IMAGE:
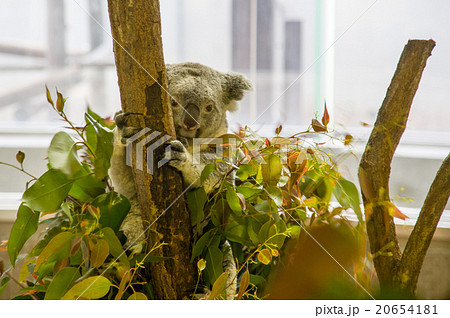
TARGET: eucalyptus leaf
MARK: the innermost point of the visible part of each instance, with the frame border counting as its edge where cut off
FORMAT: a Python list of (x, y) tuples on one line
[(62, 154), (100, 140), (115, 248), (58, 248), (90, 288), (24, 227), (113, 207), (196, 200), (48, 192), (62, 282)]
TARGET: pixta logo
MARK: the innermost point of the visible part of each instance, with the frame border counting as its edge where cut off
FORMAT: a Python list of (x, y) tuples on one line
[(151, 142)]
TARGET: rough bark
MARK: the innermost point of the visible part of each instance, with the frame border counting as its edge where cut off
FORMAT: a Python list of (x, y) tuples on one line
[(375, 165), (136, 29), (420, 238)]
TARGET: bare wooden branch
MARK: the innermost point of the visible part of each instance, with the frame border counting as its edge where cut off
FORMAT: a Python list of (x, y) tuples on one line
[(375, 165), (420, 238), (136, 28)]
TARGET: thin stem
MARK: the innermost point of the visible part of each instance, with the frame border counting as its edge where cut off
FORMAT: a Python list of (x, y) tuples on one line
[(20, 169)]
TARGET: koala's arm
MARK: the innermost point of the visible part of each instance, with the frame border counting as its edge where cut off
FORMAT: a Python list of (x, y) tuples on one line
[(181, 159), (122, 180)]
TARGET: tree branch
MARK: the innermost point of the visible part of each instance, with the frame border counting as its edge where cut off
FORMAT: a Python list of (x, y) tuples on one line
[(420, 238), (375, 165), (136, 29)]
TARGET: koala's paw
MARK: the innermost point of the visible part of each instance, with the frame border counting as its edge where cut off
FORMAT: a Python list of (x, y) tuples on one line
[(125, 131), (177, 154)]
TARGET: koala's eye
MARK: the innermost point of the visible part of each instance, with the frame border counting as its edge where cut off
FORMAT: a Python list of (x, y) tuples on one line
[(209, 108), (173, 102)]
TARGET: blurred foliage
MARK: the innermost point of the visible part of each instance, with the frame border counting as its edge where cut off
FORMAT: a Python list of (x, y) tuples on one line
[(274, 191)]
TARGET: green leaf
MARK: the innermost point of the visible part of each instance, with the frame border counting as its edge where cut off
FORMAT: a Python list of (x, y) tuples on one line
[(219, 286), (196, 200), (271, 170), (86, 186), (61, 283), (100, 140), (99, 119), (99, 252), (257, 280), (57, 249), (48, 192), (62, 154), (248, 190), (214, 260), (23, 228), (90, 288), (4, 283), (209, 168), (348, 196), (200, 245), (220, 212), (115, 248), (138, 296), (247, 170), (113, 209), (276, 195), (233, 200)]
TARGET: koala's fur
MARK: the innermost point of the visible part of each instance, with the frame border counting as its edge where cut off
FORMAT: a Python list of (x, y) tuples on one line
[(201, 96)]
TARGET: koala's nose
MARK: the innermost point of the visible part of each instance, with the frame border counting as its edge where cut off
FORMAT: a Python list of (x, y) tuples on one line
[(190, 124), (190, 121)]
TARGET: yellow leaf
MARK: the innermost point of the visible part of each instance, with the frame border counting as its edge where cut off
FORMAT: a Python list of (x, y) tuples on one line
[(264, 256), (138, 296), (245, 280), (90, 288), (219, 286)]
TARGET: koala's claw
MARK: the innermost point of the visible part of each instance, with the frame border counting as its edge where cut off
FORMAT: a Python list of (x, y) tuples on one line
[(176, 153)]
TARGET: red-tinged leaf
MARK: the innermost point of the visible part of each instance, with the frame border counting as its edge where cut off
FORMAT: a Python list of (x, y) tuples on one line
[(275, 253), (123, 284), (326, 116), (99, 252), (317, 126), (278, 129), (75, 245), (20, 157), (49, 97), (265, 256), (310, 151), (267, 143), (57, 249), (245, 281), (219, 286), (30, 292), (242, 200), (395, 212), (348, 139)]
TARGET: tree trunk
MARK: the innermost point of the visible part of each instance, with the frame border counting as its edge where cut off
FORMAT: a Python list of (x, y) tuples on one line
[(375, 166), (136, 30)]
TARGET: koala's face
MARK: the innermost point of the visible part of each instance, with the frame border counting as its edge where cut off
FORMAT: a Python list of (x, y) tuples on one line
[(201, 98)]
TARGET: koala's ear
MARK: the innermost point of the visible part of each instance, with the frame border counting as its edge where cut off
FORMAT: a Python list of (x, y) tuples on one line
[(234, 86)]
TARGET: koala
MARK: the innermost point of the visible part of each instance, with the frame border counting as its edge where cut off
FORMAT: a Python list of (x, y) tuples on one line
[(200, 100)]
